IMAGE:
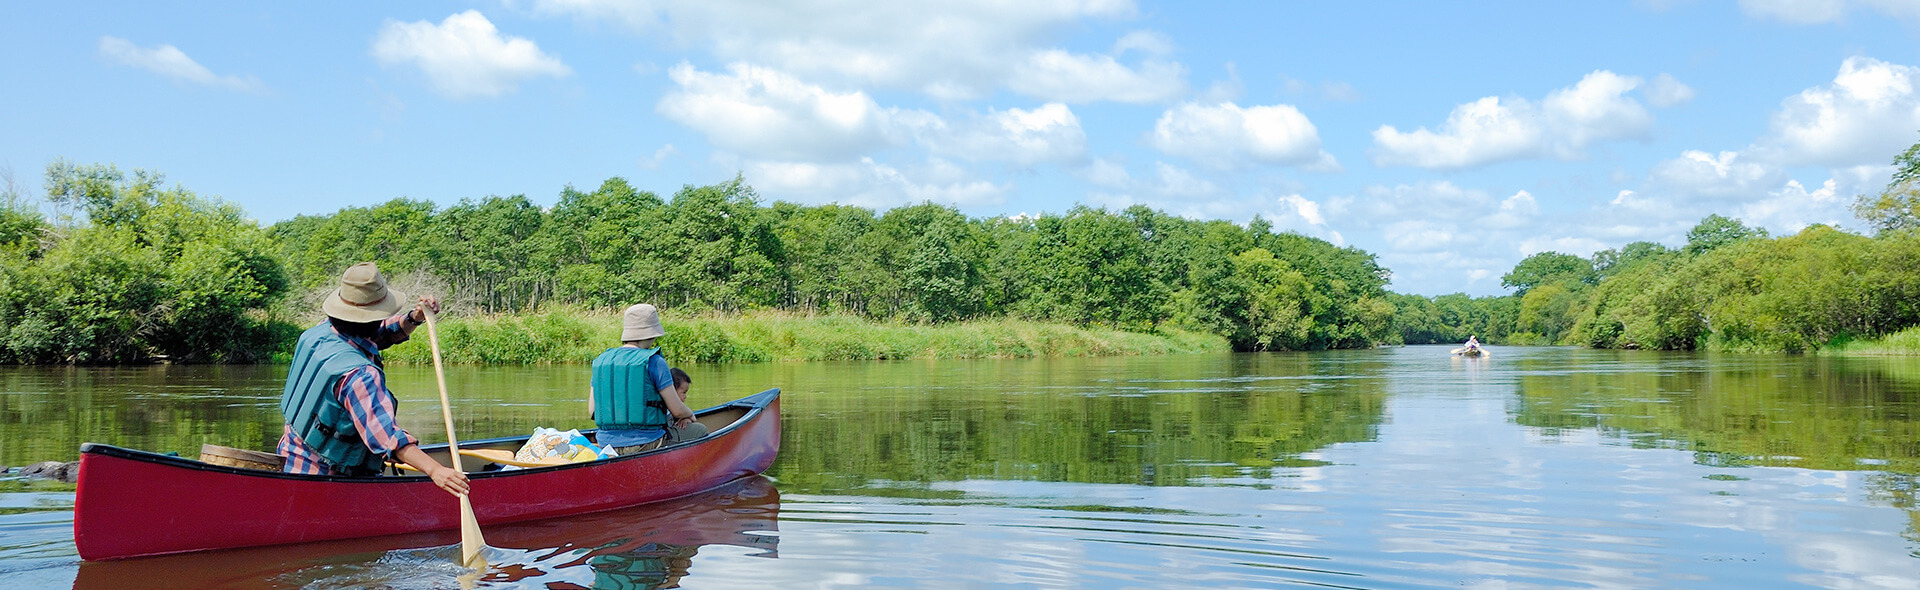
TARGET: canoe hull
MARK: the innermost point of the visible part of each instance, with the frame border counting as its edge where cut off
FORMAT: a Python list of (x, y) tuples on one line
[(132, 503)]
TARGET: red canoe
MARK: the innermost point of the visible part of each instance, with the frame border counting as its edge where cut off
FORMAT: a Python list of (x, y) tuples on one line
[(135, 503)]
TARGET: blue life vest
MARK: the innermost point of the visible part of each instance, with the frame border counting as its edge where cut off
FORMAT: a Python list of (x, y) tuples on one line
[(624, 396), (309, 405)]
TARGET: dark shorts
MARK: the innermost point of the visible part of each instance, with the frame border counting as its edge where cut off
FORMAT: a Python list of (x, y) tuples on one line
[(674, 436)]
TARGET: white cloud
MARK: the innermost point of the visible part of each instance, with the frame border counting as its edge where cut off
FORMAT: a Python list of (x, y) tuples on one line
[(1800, 12), (1173, 181), (1226, 135), (1475, 133), (1148, 42), (1306, 209), (1813, 12), (873, 185), (1563, 126), (1666, 91), (768, 114), (1106, 173), (1050, 133), (1225, 90), (1515, 212), (950, 50), (1332, 90), (1870, 111), (659, 157), (1792, 208), (171, 62), (1595, 109), (1069, 77), (464, 56), (771, 115), (1577, 246), (1697, 173)]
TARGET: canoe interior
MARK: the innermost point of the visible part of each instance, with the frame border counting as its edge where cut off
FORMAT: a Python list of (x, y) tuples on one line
[(715, 420)]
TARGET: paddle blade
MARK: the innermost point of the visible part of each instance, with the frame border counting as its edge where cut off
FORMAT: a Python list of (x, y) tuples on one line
[(471, 544)]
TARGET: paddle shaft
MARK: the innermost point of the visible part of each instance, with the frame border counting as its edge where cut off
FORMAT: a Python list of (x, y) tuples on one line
[(470, 540)]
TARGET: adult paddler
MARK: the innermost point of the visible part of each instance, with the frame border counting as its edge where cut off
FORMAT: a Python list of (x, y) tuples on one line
[(339, 413)]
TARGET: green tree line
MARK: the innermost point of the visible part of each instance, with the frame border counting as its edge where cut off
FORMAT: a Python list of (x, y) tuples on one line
[(721, 248), (1730, 287), (127, 269)]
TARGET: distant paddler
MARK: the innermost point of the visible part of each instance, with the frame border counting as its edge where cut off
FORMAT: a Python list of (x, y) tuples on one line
[(339, 414), (1472, 348)]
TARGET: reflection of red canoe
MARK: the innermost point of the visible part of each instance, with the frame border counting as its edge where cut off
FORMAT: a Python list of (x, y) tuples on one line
[(744, 513), (134, 503)]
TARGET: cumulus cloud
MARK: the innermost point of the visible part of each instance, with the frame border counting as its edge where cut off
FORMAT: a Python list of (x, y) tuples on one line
[(1516, 211), (1434, 208), (910, 44), (764, 113), (1812, 12), (171, 62), (1225, 135), (1703, 174), (1792, 207), (464, 56), (871, 184), (1852, 126), (1665, 91), (1563, 125), (1869, 111), (1069, 77), (1798, 12), (1050, 133)]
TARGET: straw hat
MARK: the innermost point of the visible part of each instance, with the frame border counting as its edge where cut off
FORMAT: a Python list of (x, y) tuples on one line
[(363, 296), (640, 322)]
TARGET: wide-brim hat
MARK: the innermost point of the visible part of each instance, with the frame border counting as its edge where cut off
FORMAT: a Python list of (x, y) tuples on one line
[(363, 296), (640, 322)]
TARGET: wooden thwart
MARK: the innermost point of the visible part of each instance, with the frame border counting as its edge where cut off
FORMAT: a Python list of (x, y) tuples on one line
[(242, 458)]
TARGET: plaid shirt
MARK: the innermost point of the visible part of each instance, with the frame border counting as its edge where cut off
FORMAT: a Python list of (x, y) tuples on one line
[(363, 391)]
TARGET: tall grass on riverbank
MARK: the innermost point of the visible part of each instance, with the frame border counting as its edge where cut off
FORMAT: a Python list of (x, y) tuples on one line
[(1902, 343), (577, 336)]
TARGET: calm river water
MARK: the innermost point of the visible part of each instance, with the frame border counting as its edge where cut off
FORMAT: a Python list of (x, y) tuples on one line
[(1390, 468)]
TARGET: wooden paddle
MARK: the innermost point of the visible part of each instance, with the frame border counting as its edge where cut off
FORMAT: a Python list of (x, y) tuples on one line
[(470, 541)]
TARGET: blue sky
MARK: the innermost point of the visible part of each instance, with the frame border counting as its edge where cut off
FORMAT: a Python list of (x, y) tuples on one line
[(1450, 139)]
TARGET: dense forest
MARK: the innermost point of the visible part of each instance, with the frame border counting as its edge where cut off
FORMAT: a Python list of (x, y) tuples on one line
[(127, 269)]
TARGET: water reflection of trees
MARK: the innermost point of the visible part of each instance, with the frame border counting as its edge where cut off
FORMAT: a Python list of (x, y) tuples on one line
[(1807, 412), (46, 412), (1157, 426)]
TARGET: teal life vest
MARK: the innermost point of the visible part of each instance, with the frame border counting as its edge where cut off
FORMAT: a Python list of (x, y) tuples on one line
[(314, 412), (624, 396)]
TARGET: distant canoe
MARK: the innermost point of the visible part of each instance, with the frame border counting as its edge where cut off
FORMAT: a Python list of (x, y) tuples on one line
[(135, 503), (1470, 352)]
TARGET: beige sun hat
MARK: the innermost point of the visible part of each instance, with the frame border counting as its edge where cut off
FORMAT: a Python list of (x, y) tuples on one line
[(363, 296), (640, 322)]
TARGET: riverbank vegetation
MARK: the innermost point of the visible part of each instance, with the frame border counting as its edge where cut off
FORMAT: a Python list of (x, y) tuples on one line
[(128, 270), (574, 335), (1730, 287)]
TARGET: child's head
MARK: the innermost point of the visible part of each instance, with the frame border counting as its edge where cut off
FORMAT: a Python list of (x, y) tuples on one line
[(681, 382)]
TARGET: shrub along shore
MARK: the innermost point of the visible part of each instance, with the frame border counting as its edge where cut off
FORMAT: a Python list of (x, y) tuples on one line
[(574, 335), (1903, 343)]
